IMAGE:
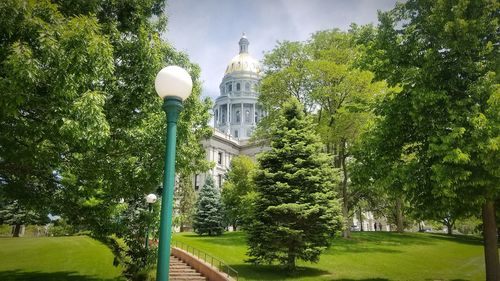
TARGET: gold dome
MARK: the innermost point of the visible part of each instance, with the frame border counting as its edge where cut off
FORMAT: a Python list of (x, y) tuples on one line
[(243, 62)]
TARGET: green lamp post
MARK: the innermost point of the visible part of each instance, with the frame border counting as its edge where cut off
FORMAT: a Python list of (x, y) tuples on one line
[(173, 84)]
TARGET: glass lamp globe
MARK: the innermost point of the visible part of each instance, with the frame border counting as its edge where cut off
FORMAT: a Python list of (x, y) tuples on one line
[(173, 81), (151, 198)]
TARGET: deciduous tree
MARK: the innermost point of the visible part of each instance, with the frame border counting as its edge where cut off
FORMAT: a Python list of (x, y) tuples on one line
[(444, 125), (235, 189)]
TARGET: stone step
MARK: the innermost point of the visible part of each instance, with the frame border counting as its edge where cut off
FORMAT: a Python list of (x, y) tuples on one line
[(188, 273), (188, 278), (180, 271), (181, 268), (185, 272)]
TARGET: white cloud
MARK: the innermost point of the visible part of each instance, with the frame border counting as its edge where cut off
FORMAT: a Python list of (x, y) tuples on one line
[(209, 30)]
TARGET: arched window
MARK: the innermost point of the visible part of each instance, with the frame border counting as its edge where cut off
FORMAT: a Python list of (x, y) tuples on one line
[(238, 86), (229, 87), (238, 116), (247, 86), (256, 117), (248, 119)]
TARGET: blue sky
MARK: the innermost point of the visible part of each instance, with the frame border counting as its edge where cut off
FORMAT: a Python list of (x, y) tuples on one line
[(209, 30)]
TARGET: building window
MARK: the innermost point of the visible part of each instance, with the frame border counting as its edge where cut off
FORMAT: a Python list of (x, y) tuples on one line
[(238, 87), (219, 181), (229, 87), (247, 86), (219, 158), (216, 115), (248, 119), (196, 186), (238, 116), (235, 133), (256, 117)]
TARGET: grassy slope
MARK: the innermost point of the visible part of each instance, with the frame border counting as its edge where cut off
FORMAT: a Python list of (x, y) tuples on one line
[(77, 258), (368, 256)]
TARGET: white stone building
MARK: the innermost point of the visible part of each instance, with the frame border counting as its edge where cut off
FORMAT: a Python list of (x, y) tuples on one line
[(236, 114)]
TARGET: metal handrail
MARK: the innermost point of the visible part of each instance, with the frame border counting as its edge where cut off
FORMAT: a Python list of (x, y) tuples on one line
[(203, 255)]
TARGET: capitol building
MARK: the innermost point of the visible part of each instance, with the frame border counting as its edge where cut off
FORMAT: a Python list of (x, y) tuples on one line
[(236, 114)]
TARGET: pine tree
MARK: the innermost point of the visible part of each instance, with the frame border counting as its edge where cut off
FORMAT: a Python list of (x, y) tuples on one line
[(209, 216), (296, 211)]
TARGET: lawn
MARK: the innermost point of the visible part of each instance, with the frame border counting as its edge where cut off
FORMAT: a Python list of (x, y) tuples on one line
[(368, 256), (77, 258)]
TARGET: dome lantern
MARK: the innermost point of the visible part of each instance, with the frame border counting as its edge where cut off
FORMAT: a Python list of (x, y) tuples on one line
[(244, 44)]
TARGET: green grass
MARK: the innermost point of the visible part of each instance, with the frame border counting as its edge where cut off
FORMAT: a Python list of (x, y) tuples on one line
[(76, 258), (368, 256)]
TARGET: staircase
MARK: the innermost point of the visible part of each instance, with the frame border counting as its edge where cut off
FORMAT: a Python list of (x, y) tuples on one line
[(180, 271)]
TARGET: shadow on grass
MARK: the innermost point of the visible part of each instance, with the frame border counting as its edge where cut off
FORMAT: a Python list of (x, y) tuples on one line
[(377, 242), (393, 238), (463, 239), (275, 272), (366, 279), (18, 275)]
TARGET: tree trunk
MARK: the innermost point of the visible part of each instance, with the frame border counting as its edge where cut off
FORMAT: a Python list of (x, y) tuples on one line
[(17, 230), (291, 260), (361, 220), (449, 229), (234, 226), (490, 242), (345, 196), (399, 215)]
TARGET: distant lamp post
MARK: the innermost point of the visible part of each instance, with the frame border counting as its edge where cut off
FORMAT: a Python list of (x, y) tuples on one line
[(173, 84), (150, 199)]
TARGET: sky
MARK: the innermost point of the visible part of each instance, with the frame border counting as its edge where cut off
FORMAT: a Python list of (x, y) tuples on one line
[(209, 30)]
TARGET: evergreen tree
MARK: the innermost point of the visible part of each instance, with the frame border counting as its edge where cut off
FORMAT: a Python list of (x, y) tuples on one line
[(296, 212), (209, 217)]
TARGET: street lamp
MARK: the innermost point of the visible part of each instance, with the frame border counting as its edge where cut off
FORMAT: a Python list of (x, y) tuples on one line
[(150, 199), (173, 84)]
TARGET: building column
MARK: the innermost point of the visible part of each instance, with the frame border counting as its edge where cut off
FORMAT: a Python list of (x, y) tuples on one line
[(229, 118), (219, 113), (253, 114)]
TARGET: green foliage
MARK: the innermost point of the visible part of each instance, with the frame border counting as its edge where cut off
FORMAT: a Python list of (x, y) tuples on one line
[(235, 192), (322, 74), (296, 211), (185, 202), (82, 126), (208, 218), (439, 135), (14, 214)]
